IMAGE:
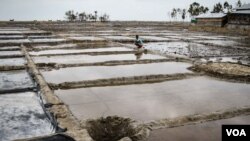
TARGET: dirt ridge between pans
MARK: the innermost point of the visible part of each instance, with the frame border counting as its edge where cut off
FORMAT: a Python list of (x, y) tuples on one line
[(61, 111), (87, 53), (123, 81), (9, 68), (106, 63), (198, 118)]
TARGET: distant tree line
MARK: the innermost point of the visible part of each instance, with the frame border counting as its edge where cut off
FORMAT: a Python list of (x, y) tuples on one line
[(83, 16), (196, 9)]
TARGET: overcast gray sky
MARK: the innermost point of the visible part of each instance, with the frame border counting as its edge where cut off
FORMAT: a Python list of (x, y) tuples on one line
[(152, 10)]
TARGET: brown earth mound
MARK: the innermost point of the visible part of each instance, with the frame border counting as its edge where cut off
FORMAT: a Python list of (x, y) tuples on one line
[(225, 70)]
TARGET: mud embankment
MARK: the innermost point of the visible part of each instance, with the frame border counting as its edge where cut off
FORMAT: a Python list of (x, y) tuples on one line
[(123, 81), (199, 118), (61, 112), (229, 71), (49, 66)]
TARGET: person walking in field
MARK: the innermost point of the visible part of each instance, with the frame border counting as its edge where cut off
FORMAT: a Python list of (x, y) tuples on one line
[(138, 42)]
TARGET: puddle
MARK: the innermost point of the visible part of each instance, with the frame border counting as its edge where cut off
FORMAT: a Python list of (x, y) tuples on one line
[(156, 101), (197, 132), (107, 72), (10, 53), (76, 59), (194, 49), (11, 80), (12, 62), (47, 40), (61, 51), (87, 38), (21, 116)]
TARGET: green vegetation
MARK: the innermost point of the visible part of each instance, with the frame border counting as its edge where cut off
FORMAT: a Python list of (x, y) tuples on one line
[(83, 16)]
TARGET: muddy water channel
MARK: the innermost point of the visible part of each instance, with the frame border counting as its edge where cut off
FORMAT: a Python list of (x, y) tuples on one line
[(148, 102)]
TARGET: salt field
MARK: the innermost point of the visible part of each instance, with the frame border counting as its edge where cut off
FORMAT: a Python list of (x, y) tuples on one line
[(55, 77)]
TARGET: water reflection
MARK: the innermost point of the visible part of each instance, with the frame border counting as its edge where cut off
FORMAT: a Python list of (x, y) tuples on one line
[(139, 53)]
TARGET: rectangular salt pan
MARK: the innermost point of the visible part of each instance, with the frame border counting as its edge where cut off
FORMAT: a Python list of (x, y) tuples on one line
[(68, 51), (10, 48), (87, 38), (154, 38), (15, 41), (9, 53), (76, 59), (12, 62), (21, 116), (11, 80), (47, 40), (119, 38), (146, 102), (107, 72)]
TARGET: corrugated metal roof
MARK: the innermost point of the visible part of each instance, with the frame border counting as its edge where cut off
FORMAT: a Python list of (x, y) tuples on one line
[(245, 6), (242, 12), (211, 15)]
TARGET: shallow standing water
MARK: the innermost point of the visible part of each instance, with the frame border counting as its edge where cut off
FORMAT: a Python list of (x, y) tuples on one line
[(146, 102), (74, 59), (106, 72), (62, 51)]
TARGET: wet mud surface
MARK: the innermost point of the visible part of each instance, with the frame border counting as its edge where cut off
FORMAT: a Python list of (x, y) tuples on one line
[(225, 70), (195, 50)]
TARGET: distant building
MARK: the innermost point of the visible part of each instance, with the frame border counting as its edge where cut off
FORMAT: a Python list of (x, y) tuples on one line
[(240, 17), (212, 19)]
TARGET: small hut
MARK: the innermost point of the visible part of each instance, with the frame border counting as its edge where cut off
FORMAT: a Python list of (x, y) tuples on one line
[(240, 17), (212, 19)]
